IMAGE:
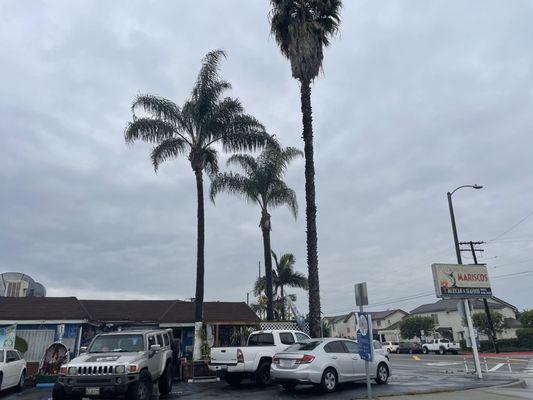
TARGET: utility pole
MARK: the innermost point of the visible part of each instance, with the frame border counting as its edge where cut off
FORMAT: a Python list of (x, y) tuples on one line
[(493, 337), (465, 301)]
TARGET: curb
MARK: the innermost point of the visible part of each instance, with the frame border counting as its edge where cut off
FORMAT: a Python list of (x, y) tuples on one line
[(519, 383)]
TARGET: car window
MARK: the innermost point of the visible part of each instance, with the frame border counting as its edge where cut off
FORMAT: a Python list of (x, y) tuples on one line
[(286, 338), (160, 340), (395, 343), (304, 346), (261, 339), (301, 336), (335, 347), (352, 347), (11, 356), (377, 345), (445, 341), (165, 339), (1, 356), (151, 340)]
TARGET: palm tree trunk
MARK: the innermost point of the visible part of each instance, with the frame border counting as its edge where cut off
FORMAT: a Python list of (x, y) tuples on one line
[(268, 274), (310, 210), (199, 299), (282, 304)]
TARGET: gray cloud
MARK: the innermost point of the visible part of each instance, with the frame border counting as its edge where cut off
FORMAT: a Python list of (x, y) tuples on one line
[(415, 100)]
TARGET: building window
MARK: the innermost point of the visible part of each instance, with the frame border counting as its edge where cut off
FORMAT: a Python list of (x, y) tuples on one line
[(435, 318), (378, 322), (15, 289), (348, 330)]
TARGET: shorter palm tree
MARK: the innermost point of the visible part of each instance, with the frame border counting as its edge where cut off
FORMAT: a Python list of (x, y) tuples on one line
[(283, 276), (262, 184)]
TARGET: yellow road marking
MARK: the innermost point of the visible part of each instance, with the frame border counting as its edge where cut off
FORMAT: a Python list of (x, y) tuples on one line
[(416, 358)]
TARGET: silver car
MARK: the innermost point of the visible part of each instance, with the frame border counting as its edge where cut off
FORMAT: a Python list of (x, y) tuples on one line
[(325, 362)]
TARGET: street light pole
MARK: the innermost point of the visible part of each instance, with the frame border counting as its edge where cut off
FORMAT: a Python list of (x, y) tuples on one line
[(466, 303)]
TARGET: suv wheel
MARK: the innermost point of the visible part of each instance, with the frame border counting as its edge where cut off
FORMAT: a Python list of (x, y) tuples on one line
[(262, 375), (424, 350), (142, 388), (442, 351), (165, 380)]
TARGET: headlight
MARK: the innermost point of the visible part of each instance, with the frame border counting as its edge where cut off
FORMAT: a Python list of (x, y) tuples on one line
[(133, 368), (120, 369), (72, 370)]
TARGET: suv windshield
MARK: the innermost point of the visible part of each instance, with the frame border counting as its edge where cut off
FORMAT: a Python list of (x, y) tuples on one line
[(117, 343)]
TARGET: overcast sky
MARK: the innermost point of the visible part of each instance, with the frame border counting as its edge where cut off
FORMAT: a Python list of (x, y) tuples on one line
[(416, 98)]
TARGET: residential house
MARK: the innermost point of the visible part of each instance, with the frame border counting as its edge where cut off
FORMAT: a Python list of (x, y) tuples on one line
[(342, 326), (385, 324), (449, 321)]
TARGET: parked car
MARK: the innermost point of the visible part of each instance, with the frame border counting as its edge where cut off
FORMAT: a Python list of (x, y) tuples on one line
[(441, 346), (325, 362), (409, 347), (391, 347), (234, 364), (127, 362), (378, 349), (12, 369)]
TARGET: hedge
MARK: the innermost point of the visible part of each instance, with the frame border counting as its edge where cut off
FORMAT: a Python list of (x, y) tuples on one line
[(525, 337), (524, 342)]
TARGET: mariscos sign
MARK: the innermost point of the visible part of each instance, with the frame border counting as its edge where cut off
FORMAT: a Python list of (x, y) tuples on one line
[(461, 281)]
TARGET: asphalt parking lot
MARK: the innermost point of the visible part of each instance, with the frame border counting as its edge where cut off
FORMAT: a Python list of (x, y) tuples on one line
[(419, 374)]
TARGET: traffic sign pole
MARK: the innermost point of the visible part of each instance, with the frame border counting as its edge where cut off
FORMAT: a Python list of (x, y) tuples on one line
[(367, 371)]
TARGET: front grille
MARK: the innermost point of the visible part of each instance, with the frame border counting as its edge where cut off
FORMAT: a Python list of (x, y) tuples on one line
[(101, 381), (97, 370)]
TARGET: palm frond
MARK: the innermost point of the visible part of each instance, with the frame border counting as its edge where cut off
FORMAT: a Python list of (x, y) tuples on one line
[(211, 162), (168, 149), (245, 161), (281, 195), (158, 107), (235, 184), (150, 130), (260, 285)]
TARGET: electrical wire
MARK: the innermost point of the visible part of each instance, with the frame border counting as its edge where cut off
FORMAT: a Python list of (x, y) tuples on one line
[(511, 228)]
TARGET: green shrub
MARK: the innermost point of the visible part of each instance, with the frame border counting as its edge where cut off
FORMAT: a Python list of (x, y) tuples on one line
[(525, 337)]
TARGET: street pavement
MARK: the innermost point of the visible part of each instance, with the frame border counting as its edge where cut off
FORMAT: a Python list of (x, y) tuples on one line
[(417, 374)]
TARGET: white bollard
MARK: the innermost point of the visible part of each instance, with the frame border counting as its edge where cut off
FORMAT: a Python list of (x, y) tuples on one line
[(486, 365), (509, 365), (466, 365)]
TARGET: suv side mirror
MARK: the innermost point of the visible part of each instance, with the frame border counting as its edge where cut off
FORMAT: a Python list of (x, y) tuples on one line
[(83, 349), (155, 348)]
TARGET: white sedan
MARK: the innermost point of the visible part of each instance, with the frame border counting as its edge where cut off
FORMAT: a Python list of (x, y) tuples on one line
[(12, 369), (325, 362)]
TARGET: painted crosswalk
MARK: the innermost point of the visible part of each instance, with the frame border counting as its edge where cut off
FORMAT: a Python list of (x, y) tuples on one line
[(496, 367), (529, 367)]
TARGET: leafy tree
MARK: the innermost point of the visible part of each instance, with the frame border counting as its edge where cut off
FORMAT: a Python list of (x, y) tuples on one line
[(262, 183), (526, 318), (302, 28), (283, 276), (411, 327), (260, 307), (205, 119), (481, 323)]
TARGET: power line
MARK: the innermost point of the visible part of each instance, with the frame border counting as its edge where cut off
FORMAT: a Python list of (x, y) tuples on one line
[(511, 228)]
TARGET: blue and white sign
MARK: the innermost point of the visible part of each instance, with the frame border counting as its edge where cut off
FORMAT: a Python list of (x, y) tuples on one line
[(364, 336), (7, 336)]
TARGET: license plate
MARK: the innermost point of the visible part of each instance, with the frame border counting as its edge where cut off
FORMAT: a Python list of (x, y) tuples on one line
[(286, 363), (92, 391)]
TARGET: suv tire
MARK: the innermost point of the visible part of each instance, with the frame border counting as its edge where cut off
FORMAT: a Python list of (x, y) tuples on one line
[(425, 350), (165, 380), (262, 375), (442, 351), (234, 379), (22, 381), (142, 388)]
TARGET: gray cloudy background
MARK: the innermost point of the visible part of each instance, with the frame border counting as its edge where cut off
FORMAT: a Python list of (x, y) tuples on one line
[(416, 98)]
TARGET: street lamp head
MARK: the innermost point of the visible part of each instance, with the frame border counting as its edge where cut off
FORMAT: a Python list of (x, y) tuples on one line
[(477, 187)]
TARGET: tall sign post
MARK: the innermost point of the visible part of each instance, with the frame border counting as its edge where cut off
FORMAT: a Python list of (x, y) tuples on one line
[(458, 281), (364, 332)]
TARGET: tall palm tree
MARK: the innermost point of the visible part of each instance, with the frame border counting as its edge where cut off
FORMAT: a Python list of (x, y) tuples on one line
[(302, 28), (283, 276), (262, 184), (205, 119)]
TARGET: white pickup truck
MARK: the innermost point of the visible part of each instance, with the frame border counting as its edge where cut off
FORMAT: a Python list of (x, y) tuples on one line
[(440, 346), (253, 360)]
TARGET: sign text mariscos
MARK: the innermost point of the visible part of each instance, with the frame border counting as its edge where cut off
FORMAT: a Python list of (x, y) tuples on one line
[(461, 281)]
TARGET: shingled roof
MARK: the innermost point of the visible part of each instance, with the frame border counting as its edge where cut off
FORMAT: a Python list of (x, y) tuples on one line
[(121, 311), (451, 305)]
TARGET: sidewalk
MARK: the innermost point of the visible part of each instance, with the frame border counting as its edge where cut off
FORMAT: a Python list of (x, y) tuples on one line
[(494, 393)]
